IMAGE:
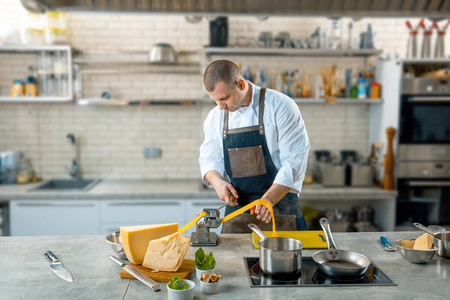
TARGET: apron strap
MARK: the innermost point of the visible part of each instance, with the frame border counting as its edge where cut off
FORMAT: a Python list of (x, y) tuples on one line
[(261, 110), (225, 125)]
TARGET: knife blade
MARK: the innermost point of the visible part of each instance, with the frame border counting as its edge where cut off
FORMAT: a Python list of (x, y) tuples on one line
[(57, 267), (137, 274), (386, 244)]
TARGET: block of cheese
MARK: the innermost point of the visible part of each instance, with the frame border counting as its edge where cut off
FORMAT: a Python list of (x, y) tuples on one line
[(135, 239), (167, 253), (424, 242)]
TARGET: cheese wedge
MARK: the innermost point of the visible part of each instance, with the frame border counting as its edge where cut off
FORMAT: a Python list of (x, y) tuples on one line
[(424, 242), (135, 239), (167, 253)]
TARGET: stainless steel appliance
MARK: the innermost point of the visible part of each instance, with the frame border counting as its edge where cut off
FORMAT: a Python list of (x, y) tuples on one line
[(424, 152), (311, 276)]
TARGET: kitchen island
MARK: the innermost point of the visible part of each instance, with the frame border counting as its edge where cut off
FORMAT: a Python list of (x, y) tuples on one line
[(24, 272)]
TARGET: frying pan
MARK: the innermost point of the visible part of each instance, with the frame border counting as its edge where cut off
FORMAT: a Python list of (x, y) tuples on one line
[(441, 239), (339, 263)]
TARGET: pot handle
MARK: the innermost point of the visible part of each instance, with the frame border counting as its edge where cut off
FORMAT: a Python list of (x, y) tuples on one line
[(326, 228), (257, 230), (428, 230)]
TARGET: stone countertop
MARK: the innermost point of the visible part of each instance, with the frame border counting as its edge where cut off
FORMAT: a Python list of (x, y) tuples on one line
[(175, 189), (24, 272)]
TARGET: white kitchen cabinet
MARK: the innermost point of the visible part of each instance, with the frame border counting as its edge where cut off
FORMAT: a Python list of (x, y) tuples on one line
[(193, 207), (116, 213), (54, 217)]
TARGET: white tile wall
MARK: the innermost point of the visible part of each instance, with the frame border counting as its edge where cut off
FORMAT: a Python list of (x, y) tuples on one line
[(111, 139)]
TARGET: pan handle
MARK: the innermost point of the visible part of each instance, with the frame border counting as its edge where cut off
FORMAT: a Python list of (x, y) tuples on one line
[(420, 226), (326, 228), (257, 230)]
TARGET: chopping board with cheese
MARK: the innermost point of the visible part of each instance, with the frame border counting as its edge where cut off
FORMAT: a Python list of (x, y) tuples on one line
[(311, 239), (185, 271)]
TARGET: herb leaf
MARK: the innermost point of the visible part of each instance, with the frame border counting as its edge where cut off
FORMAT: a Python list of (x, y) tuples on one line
[(176, 283), (204, 262)]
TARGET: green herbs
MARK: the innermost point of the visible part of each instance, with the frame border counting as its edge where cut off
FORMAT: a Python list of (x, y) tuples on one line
[(204, 262), (176, 283)]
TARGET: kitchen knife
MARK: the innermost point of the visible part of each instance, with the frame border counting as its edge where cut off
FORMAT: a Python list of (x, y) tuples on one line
[(387, 245), (137, 274), (57, 267)]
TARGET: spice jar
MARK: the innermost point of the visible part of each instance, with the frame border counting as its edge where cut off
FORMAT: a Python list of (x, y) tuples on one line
[(31, 89), (18, 88), (26, 173), (375, 90)]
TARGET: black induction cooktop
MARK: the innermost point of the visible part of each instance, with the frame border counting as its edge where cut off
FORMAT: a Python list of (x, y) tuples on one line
[(310, 276)]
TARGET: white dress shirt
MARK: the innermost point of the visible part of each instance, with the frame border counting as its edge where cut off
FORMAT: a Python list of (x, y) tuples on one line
[(285, 134)]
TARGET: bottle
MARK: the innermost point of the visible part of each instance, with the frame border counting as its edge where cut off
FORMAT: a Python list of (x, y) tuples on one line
[(247, 74), (279, 84), (334, 84), (320, 91), (257, 80), (362, 88), (305, 85), (263, 76), (354, 89)]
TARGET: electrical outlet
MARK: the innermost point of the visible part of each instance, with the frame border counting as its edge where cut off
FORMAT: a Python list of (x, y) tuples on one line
[(151, 152)]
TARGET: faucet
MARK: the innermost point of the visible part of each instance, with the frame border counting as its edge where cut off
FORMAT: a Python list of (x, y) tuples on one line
[(74, 171)]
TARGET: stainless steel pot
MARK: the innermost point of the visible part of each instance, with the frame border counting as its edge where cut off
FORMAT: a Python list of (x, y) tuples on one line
[(441, 239), (339, 263), (278, 255)]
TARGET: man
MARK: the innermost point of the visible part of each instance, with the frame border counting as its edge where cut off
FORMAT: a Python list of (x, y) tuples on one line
[(259, 138)]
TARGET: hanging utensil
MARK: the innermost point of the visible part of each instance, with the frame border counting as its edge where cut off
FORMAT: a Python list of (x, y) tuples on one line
[(387, 245)]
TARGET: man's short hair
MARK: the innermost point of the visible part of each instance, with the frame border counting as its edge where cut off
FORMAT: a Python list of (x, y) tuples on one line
[(221, 71)]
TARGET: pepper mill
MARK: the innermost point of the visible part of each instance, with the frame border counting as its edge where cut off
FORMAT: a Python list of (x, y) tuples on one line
[(389, 161)]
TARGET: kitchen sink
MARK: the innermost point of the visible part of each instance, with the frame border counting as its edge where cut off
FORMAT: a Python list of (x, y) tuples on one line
[(67, 185)]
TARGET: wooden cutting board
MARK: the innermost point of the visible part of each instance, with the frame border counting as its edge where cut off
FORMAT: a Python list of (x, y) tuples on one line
[(310, 239), (186, 270)]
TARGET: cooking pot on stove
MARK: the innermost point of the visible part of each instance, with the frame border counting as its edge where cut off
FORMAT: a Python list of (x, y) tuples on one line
[(278, 255)]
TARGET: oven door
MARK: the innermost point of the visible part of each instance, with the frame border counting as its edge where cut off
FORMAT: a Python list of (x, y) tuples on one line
[(424, 119), (426, 201)]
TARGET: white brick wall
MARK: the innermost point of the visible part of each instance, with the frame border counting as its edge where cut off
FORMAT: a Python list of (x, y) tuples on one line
[(111, 139)]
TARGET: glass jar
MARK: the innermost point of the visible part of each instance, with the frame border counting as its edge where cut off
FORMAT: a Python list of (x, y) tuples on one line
[(18, 88), (55, 36), (26, 173)]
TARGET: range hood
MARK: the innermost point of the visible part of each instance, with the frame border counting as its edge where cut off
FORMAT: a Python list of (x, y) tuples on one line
[(433, 9)]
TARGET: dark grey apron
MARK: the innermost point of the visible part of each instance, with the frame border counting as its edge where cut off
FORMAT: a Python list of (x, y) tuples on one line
[(252, 172)]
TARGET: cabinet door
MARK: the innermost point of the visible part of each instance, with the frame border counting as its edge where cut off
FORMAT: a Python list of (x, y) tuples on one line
[(195, 206), (143, 212), (54, 217)]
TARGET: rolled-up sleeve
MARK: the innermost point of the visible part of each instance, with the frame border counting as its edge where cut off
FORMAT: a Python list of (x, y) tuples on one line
[(293, 145), (211, 157)]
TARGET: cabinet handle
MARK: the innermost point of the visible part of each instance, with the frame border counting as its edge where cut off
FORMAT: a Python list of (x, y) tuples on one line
[(55, 205), (430, 99), (145, 204), (429, 183)]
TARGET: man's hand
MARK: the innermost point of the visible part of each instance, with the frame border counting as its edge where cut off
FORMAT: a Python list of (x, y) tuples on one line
[(224, 189), (262, 213)]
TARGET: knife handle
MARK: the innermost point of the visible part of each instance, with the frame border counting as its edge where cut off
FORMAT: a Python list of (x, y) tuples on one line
[(116, 260), (50, 256), (385, 241)]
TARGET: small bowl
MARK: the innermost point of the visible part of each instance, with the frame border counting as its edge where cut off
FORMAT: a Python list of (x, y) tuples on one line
[(210, 288), (115, 244), (163, 53), (182, 294), (199, 272), (413, 255)]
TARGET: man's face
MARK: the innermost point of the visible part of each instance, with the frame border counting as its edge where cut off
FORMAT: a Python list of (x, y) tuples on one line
[(229, 99)]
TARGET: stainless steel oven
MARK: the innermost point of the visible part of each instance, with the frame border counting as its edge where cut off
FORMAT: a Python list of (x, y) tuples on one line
[(423, 177)]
